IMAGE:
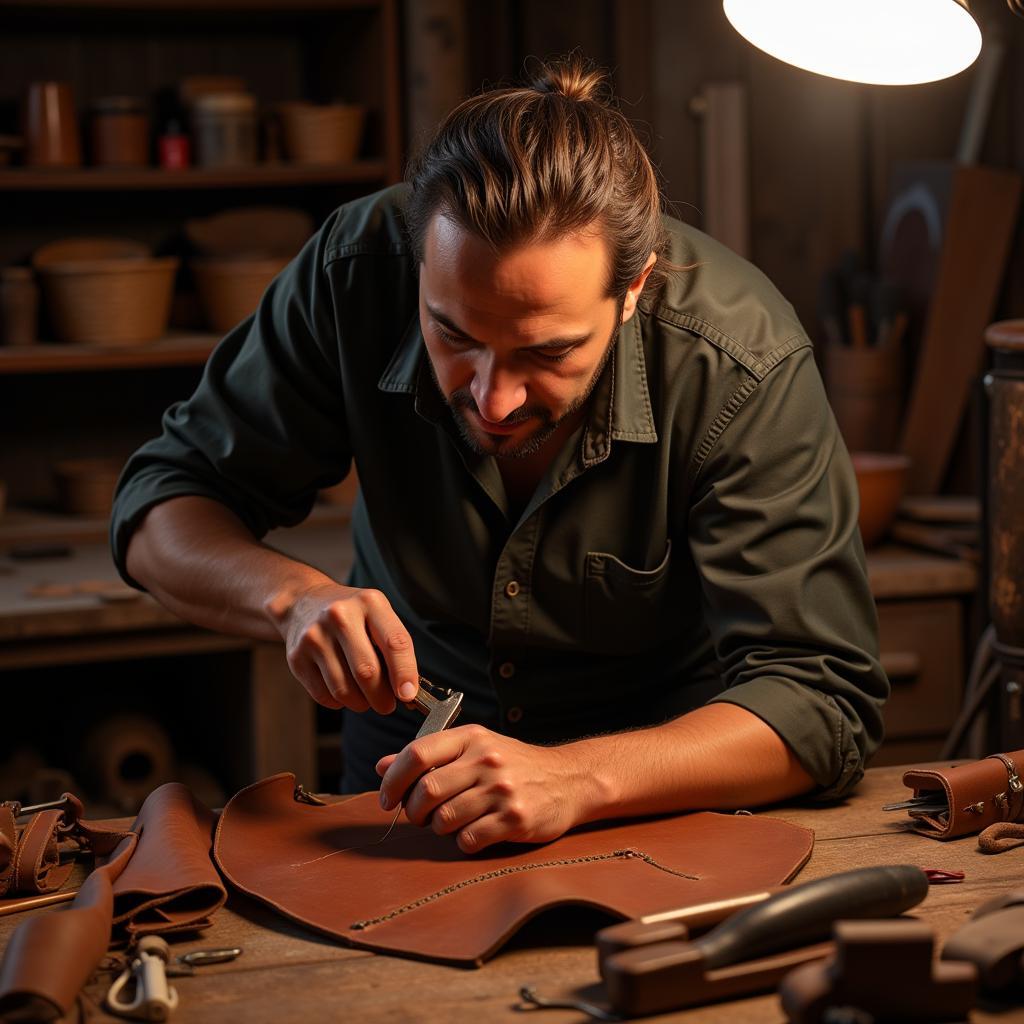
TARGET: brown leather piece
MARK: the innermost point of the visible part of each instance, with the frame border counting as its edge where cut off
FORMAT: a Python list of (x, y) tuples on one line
[(8, 844), (979, 794), (37, 861), (50, 957), (159, 878), (416, 894)]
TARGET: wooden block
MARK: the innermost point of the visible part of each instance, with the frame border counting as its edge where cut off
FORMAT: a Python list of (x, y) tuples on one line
[(973, 210)]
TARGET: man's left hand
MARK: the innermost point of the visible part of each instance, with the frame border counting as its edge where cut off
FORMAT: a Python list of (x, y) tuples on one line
[(485, 787)]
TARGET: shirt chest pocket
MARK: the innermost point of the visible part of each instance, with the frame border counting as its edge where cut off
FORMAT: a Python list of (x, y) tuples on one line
[(625, 609)]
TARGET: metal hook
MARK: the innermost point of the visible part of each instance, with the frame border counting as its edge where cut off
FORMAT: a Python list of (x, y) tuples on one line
[(541, 1003)]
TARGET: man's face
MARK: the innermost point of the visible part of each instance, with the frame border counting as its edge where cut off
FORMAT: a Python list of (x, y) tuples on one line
[(518, 340)]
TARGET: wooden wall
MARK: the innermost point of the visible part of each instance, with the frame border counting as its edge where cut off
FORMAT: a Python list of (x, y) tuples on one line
[(821, 151)]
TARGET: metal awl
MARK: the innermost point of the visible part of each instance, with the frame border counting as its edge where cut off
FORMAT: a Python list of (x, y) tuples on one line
[(440, 705)]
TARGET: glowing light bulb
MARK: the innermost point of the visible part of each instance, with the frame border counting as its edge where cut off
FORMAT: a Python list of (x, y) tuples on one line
[(881, 42)]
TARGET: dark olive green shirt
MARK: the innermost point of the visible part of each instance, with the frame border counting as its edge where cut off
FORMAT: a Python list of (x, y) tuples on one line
[(695, 540)]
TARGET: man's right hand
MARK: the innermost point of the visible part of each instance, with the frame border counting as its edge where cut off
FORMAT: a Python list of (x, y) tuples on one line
[(347, 647)]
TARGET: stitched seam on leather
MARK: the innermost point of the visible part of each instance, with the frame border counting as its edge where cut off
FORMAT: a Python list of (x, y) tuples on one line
[(515, 870), (18, 881)]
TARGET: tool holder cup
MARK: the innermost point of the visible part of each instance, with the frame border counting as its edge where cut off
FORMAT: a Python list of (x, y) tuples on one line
[(865, 389)]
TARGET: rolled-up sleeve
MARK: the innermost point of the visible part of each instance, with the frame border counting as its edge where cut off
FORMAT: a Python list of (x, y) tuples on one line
[(265, 428), (773, 529)]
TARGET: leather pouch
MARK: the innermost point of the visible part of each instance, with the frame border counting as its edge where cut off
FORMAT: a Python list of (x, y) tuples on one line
[(416, 894), (979, 794)]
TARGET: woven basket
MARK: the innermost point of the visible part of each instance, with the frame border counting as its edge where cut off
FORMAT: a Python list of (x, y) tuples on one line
[(229, 290), (322, 135), (111, 302)]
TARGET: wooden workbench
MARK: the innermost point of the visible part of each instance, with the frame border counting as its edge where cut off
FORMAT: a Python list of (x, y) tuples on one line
[(287, 974)]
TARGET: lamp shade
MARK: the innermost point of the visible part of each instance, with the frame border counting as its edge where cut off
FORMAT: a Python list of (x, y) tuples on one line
[(881, 42)]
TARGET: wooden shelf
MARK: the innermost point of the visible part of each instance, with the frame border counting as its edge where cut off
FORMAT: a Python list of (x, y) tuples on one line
[(29, 527), (192, 6), (90, 179), (178, 349)]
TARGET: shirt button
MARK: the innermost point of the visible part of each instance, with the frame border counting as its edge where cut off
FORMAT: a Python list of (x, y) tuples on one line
[(507, 670), (511, 588), (514, 715)]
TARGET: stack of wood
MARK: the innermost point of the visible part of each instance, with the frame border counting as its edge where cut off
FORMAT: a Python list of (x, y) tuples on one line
[(943, 524)]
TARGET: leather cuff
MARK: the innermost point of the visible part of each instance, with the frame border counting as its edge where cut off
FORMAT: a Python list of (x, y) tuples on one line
[(979, 794)]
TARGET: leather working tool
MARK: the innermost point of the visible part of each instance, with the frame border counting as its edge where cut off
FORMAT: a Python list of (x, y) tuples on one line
[(153, 999), (418, 895), (676, 925), (993, 941), (882, 972), (753, 949), (440, 705)]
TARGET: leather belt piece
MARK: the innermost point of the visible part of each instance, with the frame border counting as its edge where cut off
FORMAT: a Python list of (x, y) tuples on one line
[(416, 894)]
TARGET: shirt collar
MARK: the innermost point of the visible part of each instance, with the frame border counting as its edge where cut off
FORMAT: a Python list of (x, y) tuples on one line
[(620, 407)]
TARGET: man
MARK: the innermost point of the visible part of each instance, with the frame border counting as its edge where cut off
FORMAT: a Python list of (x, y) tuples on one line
[(602, 492)]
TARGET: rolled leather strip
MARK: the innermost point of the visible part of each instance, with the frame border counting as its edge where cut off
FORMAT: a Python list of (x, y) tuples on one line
[(159, 877), (978, 794), (416, 894), (8, 844)]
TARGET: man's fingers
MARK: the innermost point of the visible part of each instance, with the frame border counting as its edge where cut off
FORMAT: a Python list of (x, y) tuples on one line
[(415, 760), (484, 832), (364, 667), (395, 645), (309, 673), (385, 763), (434, 792)]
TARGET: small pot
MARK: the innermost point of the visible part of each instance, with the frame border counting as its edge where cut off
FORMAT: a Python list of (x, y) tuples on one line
[(881, 480)]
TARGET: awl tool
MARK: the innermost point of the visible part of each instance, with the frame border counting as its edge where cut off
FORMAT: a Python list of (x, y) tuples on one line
[(440, 705)]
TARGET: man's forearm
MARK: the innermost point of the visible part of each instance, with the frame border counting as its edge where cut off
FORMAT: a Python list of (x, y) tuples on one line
[(717, 756), (198, 559)]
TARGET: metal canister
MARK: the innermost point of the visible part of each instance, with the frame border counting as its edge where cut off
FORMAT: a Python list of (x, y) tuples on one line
[(224, 129)]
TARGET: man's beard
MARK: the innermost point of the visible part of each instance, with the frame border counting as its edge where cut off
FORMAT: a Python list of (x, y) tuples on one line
[(502, 447)]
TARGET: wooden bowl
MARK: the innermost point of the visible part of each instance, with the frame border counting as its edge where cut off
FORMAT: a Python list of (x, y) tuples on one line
[(881, 479), (86, 486), (108, 300), (321, 135), (229, 290)]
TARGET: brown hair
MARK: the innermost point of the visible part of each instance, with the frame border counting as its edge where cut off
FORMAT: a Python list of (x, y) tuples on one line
[(530, 163)]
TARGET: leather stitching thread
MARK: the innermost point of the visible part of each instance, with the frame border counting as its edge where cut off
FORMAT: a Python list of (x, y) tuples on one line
[(518, 869)]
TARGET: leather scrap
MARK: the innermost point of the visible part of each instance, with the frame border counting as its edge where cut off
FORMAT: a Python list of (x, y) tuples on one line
[(8, 844), (416, 894), (155, 877)]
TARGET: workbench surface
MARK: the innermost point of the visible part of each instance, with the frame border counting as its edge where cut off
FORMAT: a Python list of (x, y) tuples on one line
[(287, 974)]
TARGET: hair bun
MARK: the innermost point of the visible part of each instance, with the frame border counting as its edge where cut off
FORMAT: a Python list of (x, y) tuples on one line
[(572, 77)]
